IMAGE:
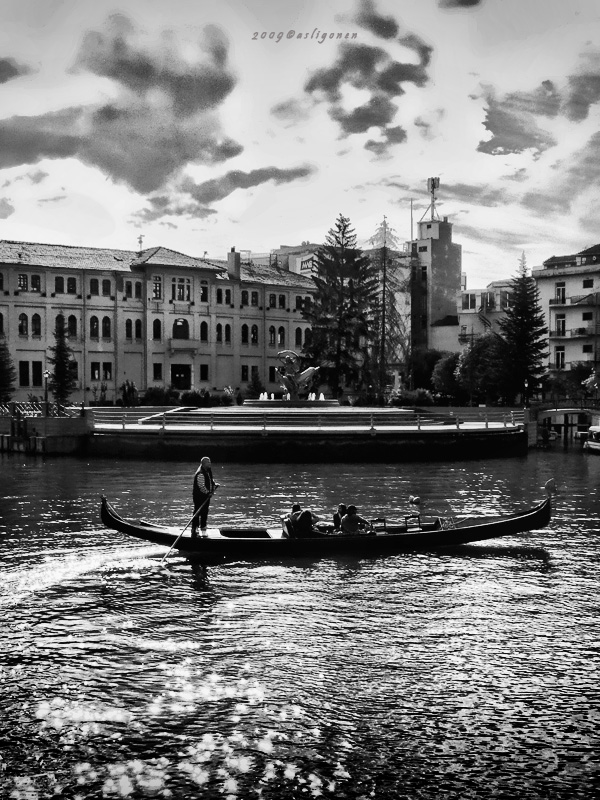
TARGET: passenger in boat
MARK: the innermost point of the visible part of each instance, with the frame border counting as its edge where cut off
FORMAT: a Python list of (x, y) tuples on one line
[(302, 521), (203, 489), (352, 522), (338, 516)]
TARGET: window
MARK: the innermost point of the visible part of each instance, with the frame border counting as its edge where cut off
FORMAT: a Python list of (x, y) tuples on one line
[(281, 337), (244, 334), (36, 325), (157, 372), (219, 332), (23, 373), (138, 290), (95, 371), (227, 334), (587, 316), (71, 286), (272, 300), (138, 329), (219, 296), (254, 335), (181, 290), (559, 357), (272, 375), (204, 291), (298, 337), (181, 329), (128, 289), (157, 287), (128, 329), (59, 285), (72, 326), (272, 335), (204, 331), (281, 302), (561, 325), (203, 372), (106, 327), (36, 286), (228, 296), (94, 328), (244, 298), (588, 283), (156, 330), (24, 328), (106, 288), (23, 286), (94, 286), (560, 292), (588, 348), (469, 302), (107, 371), (245, 373), (254, 299), (36, 373)]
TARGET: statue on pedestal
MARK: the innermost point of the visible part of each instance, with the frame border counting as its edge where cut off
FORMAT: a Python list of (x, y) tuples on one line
[(293, 380)]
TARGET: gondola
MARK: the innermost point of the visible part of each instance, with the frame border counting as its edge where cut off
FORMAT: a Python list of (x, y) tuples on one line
[(413, 533)]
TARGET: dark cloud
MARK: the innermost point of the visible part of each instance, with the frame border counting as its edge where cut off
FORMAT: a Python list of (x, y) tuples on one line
[(369, 68), (191, 87), (10, 69), (219, 188), (513, 129), (368, 18), (6, 209)]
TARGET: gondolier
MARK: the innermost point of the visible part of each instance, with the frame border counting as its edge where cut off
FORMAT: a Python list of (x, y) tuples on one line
[(202, 490)]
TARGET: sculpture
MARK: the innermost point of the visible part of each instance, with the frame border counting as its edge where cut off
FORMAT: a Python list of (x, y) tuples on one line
[(293, 380)]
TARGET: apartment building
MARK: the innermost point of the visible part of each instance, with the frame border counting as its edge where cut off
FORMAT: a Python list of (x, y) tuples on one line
[(155, 317)]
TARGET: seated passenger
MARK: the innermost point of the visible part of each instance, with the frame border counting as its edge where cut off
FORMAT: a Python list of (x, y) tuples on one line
[(337, 517), (352, 523), (302, 522)]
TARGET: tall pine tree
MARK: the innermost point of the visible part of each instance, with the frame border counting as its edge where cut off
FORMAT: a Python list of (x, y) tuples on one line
[(8, 373), (63, 380), (342, 311), (525, 333)]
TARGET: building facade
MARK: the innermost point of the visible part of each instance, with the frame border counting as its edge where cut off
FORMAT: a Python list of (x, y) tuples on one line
[(155, 318)]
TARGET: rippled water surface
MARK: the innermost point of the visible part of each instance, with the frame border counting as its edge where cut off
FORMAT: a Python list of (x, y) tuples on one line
[(470, 674)]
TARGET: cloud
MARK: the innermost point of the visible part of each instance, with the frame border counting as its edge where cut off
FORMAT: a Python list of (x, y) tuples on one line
[(513, 126), (218, 188), (368, 18), (10, 69), (6, 209)]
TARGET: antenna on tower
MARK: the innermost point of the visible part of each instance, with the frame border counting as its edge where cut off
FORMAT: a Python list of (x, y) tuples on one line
[(432, 185)]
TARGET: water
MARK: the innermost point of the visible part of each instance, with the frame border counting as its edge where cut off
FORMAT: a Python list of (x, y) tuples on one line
[(471, 675)]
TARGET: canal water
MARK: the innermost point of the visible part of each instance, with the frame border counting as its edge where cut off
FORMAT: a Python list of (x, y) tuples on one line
[(464, 675)]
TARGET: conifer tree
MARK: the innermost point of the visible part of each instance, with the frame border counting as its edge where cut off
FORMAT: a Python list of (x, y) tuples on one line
[(342, 312), (525, 333), (8, 373), (62, 381)]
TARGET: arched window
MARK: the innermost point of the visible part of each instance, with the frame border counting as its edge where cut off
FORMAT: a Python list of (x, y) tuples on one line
[(307, 337), (272, 335), (59, 285), (71, 286), (36, 325), (138, 329), (298, 337), (219, 295), (94, 286), (244, 298), (128, 329), (204, 331), (281, 337), (106, 288), (244, 334), (254, 334), (94, 328), (23, 325), (181, 329), (106, 327), (219, 332), (156, 330), (227, 334), (72, 326)]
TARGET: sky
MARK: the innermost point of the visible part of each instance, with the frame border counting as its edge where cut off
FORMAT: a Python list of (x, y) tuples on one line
[(203, 126)]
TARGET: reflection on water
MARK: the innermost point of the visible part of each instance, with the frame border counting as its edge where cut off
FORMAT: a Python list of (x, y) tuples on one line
[(464, 673)]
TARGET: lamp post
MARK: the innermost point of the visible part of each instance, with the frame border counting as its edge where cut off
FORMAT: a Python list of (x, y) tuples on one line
[(46, 376)]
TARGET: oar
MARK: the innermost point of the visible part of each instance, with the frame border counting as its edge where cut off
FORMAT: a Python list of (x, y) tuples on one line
[(193, 517)]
